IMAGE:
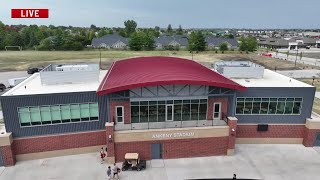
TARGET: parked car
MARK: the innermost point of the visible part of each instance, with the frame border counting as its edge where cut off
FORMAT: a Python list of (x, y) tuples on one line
[(267, 54), (2, 87), (32, 70), (132, 162)]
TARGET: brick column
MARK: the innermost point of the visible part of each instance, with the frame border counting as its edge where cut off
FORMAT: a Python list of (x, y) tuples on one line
[(311, 130), (126, 108), (6, 151), (110, 142), (232, 123)]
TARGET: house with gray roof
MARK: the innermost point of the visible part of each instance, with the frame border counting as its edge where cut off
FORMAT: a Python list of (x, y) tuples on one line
[(175, 40), (292, 43), (110, 41), (214, 42)]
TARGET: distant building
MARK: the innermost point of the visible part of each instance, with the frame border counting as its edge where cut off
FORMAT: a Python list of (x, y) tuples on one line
[(214, 42), (110, 41), (166, 41), (289, 43)]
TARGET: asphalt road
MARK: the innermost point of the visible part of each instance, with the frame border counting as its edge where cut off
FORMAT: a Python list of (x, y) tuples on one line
[(4, 76), (309, 73)]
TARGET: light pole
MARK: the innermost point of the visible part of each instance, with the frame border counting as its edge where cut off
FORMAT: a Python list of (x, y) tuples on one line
[(100, 57)]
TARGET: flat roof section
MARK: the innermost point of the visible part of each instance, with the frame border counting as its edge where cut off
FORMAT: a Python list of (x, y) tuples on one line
[(33, 85), (271, 79)]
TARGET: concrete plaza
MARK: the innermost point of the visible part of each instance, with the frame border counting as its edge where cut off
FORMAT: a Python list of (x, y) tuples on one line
[(250, 161)]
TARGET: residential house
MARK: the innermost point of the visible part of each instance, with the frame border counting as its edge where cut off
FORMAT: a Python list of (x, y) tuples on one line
[(214, 42), (175, 41), (110, 41)]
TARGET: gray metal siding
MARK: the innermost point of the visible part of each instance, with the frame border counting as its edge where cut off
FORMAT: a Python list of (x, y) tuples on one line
[(307, 93), (11, 119)]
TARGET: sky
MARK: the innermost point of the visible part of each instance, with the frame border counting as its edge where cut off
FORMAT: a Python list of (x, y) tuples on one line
[(257, 14)]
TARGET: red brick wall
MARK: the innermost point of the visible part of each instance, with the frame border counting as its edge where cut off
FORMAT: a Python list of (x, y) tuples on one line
[(224, 105), (310, 137), (110, 142), (58, 142), (178, 148), (8, 157), (274, 131), (232, 134), (127, 110)]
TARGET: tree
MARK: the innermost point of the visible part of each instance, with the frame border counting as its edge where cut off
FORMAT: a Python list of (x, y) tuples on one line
[(180, 30), (45, 44), (248, 44), (130, 27), (136, 41), (169, 29), (141, 41), (157, 28), (93, 27), (197, 42), (230, 36), (223, 47)]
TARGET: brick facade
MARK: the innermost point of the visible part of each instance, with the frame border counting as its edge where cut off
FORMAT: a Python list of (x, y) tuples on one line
[(310, 137), (127, 110), (176, 148), (232, 123), (8, 157), (58, 142), (224, 105), (274, 131)]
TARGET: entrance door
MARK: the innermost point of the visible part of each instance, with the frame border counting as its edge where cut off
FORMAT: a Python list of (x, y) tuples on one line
[(217, 111), (317, 142), (156, 151), (169, 112)]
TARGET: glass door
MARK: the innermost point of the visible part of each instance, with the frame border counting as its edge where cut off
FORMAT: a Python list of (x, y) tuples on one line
[(217, 111), (169, 112)]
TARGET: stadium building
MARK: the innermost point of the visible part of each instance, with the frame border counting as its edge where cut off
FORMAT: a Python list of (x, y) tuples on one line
[(159, 107)]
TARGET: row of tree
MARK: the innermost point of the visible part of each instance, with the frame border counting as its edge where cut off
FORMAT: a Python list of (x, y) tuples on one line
[(76, 38)]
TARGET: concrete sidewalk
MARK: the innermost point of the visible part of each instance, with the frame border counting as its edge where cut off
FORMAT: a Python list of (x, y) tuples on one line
[(250, 161)]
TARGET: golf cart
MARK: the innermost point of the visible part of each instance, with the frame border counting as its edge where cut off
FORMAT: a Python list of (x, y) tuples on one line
[(132, 162)]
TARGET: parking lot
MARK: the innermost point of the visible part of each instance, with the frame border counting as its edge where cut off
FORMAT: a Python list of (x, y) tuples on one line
[(250, 161)]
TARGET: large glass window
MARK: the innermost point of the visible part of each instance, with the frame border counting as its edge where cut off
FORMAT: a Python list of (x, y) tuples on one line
[(155, 111), (64, 113), (268, 106)]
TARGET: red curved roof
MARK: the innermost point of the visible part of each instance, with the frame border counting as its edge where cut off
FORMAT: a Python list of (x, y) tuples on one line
[(157, 70)]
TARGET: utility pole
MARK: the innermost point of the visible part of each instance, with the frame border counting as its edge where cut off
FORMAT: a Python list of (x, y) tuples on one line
[(100, 57)]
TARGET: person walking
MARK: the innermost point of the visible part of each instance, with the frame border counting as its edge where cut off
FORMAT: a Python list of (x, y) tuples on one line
[(116, 170), (102, 155), (109, 172)]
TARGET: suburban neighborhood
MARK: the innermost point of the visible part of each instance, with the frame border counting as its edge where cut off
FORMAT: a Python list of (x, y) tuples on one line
[(172, 90)]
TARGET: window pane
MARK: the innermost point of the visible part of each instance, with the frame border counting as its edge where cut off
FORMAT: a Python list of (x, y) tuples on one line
[(288, 109), (264, 107), (161, 113), (203, 112), (75, 115), (153, 113), (144, 113), (24, 109), (240, 99), (153, 102), (177, 112), (55, 115), (134, 114), (93, 105), (290, 99), (196, 101), (84, 106), (203, 101), (240, 106), (35, 117), (247, 107), (170, 102), (94, 113), (45, 108), (272, 107), (161, 102), (143, 102), (256, 107), (119, 111), (296, 108), (74, 106), (85, 114), (186, 112), (120, 119), (178, 102), (55, 108), (46, 117), (186, 101), (24, 117), (194, 111), (298, 99), (280, 107), (134, 103)]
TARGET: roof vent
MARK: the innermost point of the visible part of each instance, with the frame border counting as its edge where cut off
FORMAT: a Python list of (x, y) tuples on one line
[(247, 80)]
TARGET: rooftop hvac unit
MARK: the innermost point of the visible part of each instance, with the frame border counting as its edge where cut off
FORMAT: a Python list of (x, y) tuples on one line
[(83, 67)]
